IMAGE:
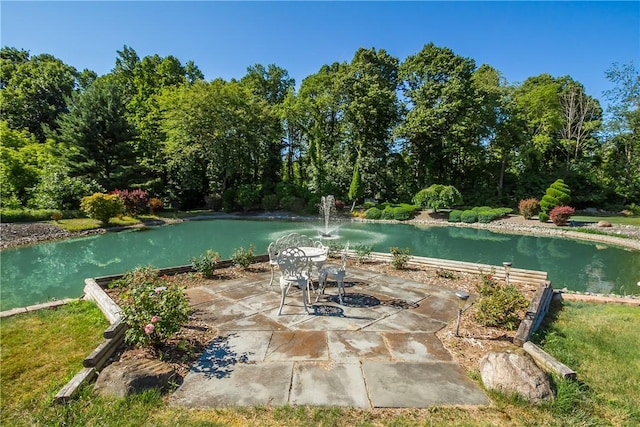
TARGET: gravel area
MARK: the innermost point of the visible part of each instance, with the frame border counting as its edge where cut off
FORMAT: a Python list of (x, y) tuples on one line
[(21, 234)]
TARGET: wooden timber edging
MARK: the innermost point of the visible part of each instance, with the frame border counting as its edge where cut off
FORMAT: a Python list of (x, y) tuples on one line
[(538, 308), (114, 334), (547, 362)]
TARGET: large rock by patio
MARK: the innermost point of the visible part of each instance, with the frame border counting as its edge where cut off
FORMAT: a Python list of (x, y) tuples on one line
[(604, 224), (132, 376), (515, 372)]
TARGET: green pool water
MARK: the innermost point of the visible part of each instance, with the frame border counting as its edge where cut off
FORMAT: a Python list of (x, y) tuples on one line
[(39, 273)]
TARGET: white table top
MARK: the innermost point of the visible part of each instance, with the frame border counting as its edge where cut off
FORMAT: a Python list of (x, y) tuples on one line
[(316, 254)]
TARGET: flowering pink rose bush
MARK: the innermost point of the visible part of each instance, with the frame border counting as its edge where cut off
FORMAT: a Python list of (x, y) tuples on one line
[(154, 309)]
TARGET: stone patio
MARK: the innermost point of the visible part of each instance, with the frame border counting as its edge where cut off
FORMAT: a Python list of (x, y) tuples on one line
[(377, 350)]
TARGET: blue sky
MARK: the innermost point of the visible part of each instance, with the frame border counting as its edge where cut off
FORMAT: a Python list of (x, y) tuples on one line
[(520, 39)]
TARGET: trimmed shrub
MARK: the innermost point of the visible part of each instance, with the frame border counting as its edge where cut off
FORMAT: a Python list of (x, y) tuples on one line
[(102, 206), (529, 207), (558, 194), (373, 213), (454, 216), (560, 215), (543, 217), (469, 216)]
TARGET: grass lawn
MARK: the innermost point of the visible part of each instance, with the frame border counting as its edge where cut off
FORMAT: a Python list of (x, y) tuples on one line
[(83, 224), (619, 219), (41, 351)]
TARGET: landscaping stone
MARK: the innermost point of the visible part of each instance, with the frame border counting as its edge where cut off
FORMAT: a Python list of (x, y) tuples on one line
[(132, 376), (604, 224), (515, 372)]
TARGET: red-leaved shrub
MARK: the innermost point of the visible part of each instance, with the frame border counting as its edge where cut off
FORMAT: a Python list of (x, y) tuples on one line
[(529, 207), (560, 214), (135, 201)]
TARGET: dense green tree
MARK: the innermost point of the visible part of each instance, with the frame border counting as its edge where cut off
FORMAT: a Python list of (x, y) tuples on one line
[(621, 154), (98, 134), (320, 117), (142, 81), (271, 84), (34, 90), (371, 112), (22, 161), (439, 132), (216, 138)]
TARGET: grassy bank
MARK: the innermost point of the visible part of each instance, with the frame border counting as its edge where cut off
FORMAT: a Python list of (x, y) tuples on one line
[(41, 351)]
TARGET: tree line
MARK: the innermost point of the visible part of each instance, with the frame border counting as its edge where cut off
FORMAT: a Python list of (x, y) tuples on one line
[(373, 127)]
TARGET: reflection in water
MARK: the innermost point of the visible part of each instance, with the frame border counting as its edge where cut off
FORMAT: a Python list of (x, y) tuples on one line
[(57, 269)]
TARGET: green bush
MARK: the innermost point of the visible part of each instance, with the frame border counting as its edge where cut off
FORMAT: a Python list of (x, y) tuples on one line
[(269, 202), (455, 216), (373, 213), (487, 216), (28, 215), (57, 190), (244, 257), (469, 216), (293, 204), (102, 206), (153, 308), (249, 196), (400, 213), (543, 217), (207, 263), (499, 304), (479, 209), (529, 207), (558, 194), (363, 252), (437, 196), (228, 200), (400, 257)]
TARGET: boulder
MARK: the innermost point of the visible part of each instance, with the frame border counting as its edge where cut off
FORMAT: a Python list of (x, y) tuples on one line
[(515, 372), (131, 376), (604, 224)]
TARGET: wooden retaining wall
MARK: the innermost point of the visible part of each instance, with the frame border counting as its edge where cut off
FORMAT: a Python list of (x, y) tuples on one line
[(516, 275)]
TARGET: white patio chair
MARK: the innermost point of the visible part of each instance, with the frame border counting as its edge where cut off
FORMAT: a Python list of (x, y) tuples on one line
[(336, 272), (294, 270)]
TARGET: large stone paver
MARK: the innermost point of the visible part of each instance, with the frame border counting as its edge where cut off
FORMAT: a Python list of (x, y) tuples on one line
[(328, 384), (241, 385), (420, 385), (378, 349)]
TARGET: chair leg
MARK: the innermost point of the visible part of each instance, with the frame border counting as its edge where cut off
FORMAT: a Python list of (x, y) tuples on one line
[(304, 298), (272, 274), (284, 290), (322, 279), (341, 292)]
